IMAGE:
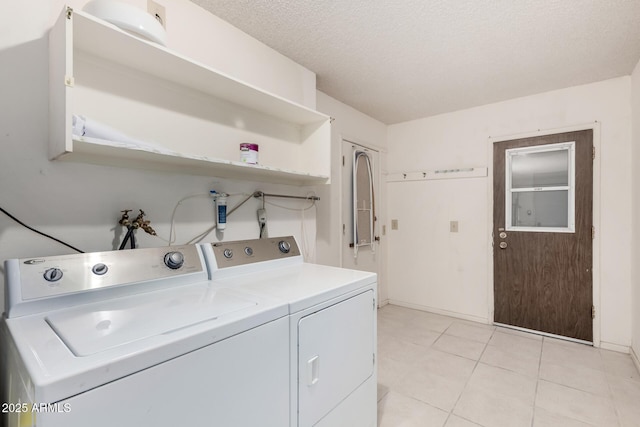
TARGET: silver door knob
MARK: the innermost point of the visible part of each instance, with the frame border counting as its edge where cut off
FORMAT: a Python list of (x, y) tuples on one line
[(503, 245)]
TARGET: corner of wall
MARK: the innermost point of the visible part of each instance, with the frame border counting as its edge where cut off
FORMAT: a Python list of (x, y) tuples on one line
[(635, 226), (634, 357)]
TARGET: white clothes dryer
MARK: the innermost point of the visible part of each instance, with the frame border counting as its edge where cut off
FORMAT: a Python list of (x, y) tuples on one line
[(332, 317)]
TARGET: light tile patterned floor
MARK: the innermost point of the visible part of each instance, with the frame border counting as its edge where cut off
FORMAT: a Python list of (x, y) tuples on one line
[(440, 371)]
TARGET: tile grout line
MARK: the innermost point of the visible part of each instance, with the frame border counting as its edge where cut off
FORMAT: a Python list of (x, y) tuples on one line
[(606, 376), (611, 395), (429, 346), (469, 379), (535, 396), (454, 405)]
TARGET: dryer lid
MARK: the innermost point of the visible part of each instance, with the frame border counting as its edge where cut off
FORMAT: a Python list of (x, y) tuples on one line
[(98, 327)]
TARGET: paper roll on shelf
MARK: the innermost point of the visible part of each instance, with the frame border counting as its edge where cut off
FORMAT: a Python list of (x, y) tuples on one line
[(83, 126)]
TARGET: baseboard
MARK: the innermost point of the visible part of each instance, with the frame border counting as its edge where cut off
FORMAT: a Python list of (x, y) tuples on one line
[(614, 347), (383, 303), (440, 311), (635, 359)]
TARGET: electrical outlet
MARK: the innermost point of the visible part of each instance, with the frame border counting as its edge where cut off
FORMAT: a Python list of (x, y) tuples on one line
[(157, 11), (453, 226)]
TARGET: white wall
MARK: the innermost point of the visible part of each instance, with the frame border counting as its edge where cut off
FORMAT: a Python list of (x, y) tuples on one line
[(357, 127), (80, 203), (449, 272), (635, 250)]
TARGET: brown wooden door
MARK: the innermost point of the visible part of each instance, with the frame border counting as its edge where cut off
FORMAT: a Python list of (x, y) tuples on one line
[(542, 242)]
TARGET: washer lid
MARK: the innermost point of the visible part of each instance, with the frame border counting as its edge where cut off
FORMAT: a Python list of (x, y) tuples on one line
[(94, 328)]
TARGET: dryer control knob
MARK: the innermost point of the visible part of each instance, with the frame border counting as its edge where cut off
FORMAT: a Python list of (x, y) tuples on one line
[(228, 253), (52, 274), (284, 246), (174, 260)]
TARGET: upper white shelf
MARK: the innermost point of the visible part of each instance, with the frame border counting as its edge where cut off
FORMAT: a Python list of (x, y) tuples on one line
[(104, 40)]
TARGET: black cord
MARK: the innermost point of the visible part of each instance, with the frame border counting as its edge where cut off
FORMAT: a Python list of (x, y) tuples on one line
[(133, 238), (39, 232), (126, 238)]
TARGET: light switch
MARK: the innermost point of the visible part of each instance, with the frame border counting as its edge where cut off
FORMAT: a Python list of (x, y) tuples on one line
[(453, 226), (394, 224)]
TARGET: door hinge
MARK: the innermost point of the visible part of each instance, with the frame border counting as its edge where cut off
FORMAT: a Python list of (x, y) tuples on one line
[(593, 153), (593, 312), (374, 304), (342, 160), (593, 232), (69, 12), (344, 229)]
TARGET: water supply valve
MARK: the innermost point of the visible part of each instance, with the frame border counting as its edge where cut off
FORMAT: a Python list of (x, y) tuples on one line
[(132, 226)]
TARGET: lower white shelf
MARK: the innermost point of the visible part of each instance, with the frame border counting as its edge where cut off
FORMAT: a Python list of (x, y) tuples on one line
[(102, 152)]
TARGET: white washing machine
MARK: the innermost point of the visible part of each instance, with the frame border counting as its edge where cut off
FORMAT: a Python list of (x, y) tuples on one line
[(332, 315), (140, 338)]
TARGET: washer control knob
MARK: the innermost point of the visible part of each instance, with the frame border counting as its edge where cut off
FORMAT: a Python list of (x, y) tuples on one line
[(284, 246), (228, 253), (100, 269), (174, 260), (52, 274), (248, 251)]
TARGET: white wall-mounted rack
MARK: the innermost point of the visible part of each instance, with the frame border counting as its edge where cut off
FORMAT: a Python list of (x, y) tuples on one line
[(196, 114), (427, 175)]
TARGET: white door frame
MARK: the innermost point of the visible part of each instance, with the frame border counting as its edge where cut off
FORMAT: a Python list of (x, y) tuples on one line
[(595, 126)]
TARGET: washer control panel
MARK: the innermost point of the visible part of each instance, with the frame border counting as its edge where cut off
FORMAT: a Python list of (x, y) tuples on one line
[(66, 274), (242, 252)]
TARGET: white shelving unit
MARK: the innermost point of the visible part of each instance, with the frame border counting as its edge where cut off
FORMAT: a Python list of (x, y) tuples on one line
[(195, 115)]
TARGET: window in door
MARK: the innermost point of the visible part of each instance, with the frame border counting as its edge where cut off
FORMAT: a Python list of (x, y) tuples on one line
[(540, 188)]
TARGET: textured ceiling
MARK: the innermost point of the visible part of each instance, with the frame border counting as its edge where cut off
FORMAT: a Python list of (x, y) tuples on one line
[(406, 59)]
